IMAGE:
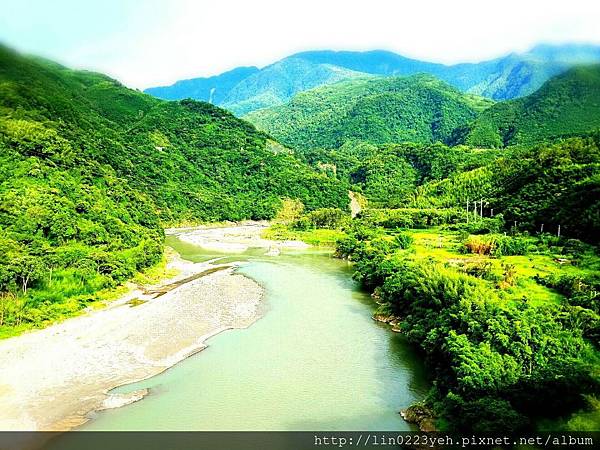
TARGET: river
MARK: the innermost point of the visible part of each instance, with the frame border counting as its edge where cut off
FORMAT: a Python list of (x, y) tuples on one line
[(315, 361)]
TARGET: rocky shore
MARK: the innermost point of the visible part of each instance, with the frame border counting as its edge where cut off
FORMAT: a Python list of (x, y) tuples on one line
[(51, 379)]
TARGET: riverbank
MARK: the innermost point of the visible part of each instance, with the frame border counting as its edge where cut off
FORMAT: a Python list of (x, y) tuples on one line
[(289, 370), (51, 379), (236, 238)]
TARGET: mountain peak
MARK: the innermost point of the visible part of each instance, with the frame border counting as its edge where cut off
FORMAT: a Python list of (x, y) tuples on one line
[(567, 104), (511, 76)]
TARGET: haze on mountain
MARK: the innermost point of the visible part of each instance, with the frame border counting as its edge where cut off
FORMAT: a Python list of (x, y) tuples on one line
[(566, 105), (423, 109), (511, 76)]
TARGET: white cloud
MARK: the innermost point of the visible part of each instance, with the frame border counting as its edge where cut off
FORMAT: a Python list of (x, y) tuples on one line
[(158, 42)]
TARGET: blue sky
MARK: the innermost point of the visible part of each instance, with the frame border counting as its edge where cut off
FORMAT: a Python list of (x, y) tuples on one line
[(150, 42)]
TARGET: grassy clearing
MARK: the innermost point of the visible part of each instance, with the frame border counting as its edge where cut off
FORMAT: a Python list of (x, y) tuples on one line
[(445, 247)]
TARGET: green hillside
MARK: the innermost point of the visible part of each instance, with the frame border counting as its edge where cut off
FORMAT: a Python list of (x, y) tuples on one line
[(538, 187), (89, 170), (277, 83), (386, 175), (419, 108), (566, 105)]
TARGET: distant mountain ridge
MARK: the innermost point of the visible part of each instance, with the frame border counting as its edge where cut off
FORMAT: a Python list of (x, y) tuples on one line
[(511, 76), (566, 105), (212, 89), (277, 83), (419, 108)]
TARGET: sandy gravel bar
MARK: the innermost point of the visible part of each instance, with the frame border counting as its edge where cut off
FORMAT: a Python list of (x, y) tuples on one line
[(51, 378), (235, 238)]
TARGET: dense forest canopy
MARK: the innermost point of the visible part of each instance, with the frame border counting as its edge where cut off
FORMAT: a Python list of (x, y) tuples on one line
[(420, 108), (91, 170), (389, 175), (566, 105)]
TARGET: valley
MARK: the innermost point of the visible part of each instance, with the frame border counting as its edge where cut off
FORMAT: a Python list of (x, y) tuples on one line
[(459, 206)]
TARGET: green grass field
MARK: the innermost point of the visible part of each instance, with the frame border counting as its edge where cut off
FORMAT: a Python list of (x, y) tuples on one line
[(444, 247), (320, 237)]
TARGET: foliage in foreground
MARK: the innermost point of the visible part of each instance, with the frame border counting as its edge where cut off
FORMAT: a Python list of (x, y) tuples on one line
[(499, 360)]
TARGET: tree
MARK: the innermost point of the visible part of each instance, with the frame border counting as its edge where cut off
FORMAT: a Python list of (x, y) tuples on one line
[(28, 270)]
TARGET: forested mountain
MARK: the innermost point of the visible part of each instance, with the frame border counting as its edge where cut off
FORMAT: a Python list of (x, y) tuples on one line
[(507, 77), (275, 84), (212, 89), (90, 169), (566, 105), (375, 110)]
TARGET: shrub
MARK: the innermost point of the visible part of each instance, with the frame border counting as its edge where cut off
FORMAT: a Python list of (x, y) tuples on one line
[(575, 247), (496, 245), (579, 290), (290, 210), (511, 245), (509, 274), (411, 217), (331, 218), (403, 240), (483, 415), (480, 245), (346, 246), (485, 225), (480, 269)]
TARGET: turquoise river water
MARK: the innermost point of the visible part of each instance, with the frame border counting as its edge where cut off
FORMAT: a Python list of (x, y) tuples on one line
[(315, 361)]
